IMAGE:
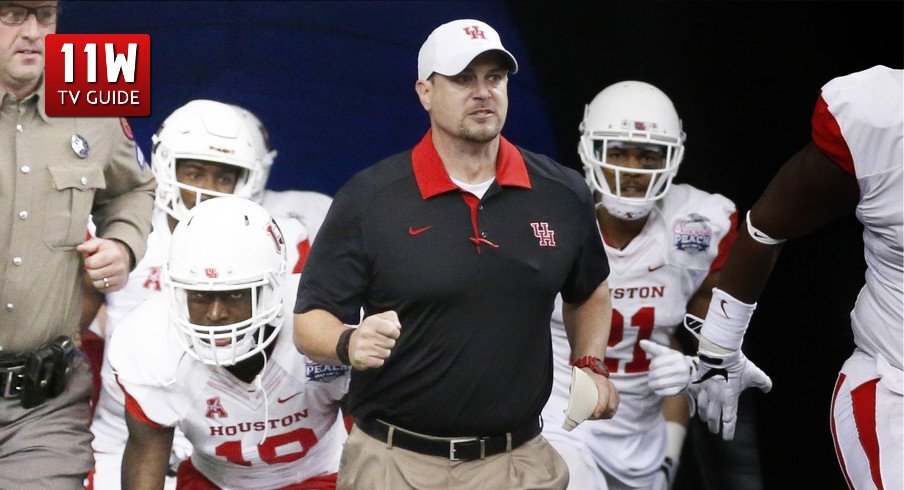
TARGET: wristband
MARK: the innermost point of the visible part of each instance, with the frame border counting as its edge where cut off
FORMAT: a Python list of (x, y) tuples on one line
[(594, 363), (342, 346), (726, 321), (674, 439)]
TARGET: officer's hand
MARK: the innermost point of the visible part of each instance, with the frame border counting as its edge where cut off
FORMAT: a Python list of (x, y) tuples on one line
[(107, 263), (372, 342)]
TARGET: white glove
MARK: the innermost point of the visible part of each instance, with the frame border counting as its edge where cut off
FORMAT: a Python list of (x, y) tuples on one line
[(670, 371), (721, 377), (665, 477)]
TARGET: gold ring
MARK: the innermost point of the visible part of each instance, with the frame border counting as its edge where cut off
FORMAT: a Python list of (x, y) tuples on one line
[(106, 282)]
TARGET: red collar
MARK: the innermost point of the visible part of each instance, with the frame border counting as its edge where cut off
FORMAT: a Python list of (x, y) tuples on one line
[(432, 178)]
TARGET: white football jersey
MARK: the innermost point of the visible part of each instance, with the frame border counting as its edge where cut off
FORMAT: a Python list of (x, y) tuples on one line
[(108, 425), (867, 107), (688, 234), (275, 431)]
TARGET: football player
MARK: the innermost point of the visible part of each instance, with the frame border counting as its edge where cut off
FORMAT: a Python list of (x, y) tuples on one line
[(213, 357), (852, 163), (204, 149), (666, 243)]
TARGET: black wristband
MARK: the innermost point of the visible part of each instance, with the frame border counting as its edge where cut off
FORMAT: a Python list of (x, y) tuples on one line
[(342, 346)]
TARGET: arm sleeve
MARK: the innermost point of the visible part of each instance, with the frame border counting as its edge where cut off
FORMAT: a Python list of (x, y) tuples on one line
[(726, 243), (826, 133), (143, 360), (335, 273), (134, 409), (123, 210), (591, 266)]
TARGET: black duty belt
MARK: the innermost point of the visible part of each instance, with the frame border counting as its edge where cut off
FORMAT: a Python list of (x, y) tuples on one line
[(454, 448), (38, 375)]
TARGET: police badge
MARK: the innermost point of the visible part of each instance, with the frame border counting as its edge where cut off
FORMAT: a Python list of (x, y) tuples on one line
[(79, 145)]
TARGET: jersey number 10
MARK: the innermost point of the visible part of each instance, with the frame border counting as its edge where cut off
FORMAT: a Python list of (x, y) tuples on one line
[(268, 451)]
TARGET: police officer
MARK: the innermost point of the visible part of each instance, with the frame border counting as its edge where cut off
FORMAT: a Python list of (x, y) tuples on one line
[(54, 171)]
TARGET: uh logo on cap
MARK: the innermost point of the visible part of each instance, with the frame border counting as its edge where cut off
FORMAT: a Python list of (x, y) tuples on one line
[(474, 32)]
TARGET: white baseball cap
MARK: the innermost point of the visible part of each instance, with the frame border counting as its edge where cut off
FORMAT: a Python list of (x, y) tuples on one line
[(452, 46)]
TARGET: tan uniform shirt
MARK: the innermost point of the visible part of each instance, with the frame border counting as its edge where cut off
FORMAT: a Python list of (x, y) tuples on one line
[(47, 192)]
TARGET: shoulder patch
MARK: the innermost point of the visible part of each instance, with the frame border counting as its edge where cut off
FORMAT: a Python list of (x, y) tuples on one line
[(323, 372), (692, 234), (126, 129)]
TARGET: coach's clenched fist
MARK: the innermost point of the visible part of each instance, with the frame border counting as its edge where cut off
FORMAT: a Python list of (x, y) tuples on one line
[(322, 337), (372, 342)]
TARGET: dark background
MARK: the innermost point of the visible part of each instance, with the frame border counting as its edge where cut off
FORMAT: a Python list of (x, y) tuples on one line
[(334, 82)]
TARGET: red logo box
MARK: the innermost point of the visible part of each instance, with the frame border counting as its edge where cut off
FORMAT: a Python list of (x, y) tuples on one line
[(97, 75)]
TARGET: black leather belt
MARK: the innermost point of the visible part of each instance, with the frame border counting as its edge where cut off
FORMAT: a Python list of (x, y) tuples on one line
[(454, 448)]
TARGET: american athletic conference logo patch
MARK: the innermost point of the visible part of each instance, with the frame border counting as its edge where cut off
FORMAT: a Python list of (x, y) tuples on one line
[(215, 408), (693, 234), (322, 372)]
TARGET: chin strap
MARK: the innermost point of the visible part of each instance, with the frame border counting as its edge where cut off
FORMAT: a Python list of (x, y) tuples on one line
[(620, 210), (258, 381)]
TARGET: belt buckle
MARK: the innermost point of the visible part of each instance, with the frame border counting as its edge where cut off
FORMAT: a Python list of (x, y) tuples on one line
[(9, 376), (459, 440)]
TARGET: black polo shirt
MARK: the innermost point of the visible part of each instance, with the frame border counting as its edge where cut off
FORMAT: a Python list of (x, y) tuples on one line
[(473, 282)]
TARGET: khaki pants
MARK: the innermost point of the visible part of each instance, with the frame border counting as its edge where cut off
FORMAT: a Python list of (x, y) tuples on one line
[(368, 464), (48, 446)]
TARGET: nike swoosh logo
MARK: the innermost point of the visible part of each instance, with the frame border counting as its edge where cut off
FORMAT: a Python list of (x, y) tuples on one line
[(284, 400), (417, 231), (651, 269), (722, 305)]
